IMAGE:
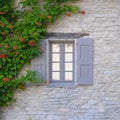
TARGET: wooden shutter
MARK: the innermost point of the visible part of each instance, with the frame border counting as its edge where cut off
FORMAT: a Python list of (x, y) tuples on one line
[(38, 63), (85, 61)]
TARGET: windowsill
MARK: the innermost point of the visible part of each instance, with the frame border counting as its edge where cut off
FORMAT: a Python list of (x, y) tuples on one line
[(71, 84)]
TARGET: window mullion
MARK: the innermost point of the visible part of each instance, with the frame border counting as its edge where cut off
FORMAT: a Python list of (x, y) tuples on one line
[(62, 62)]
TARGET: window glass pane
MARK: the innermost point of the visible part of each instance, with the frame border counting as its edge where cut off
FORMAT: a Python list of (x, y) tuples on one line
[(68, 47), (55, 66), (68, 57), (68, 67), (55, 57), (55, 76), (55, 47), (68, 76)]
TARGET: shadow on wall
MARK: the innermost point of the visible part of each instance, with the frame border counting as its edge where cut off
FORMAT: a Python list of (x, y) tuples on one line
[(1, 112)]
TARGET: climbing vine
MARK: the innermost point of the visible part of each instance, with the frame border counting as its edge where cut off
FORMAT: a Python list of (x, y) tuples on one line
[(21, 29)]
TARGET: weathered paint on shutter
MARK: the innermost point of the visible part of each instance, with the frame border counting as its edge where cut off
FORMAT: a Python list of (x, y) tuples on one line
[(85, 61)]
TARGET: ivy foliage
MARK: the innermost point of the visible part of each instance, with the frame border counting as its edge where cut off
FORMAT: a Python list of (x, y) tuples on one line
[(21, 29)]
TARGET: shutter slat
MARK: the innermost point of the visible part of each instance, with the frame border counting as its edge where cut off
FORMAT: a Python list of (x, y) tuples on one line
[(85, 61)]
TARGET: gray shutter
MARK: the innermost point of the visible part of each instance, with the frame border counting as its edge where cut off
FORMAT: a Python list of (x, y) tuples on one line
[(38, 63), (85, 61)]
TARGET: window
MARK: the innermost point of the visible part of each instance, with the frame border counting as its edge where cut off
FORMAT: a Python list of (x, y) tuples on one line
[(70, 62), (61, 61)]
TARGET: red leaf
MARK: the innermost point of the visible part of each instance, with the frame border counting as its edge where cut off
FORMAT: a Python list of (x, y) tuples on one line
[(31, 43), (68, 14), (22, 39), (49, 17), (82, 12), (6, 79)]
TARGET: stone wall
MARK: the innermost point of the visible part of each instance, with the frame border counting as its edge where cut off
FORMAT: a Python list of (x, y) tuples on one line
[(101, 101)]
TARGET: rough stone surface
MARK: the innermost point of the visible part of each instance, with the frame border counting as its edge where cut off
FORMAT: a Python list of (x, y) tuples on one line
[(101, 101), (65, 35)]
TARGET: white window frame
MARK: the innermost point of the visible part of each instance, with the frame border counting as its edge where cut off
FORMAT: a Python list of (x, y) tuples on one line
[(62, 70)]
